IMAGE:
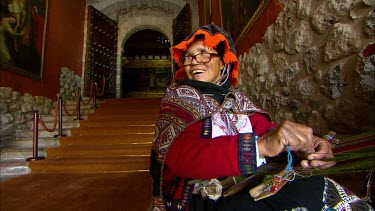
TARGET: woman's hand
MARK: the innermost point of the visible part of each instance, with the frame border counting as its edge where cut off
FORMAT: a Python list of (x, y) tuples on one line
[(322, 157), (300, 138)]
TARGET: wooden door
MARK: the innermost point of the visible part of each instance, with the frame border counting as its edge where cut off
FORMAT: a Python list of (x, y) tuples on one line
[(100, 65), (182, 25)]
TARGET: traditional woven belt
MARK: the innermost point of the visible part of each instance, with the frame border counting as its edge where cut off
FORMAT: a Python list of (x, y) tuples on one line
[(228, 186), (213, 188)]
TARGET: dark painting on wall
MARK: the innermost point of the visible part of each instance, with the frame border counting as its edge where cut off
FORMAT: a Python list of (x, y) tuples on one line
[(239, 15), (23, 29)]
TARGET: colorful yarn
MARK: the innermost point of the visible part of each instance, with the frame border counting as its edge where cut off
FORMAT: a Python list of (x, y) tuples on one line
[(289, 167)]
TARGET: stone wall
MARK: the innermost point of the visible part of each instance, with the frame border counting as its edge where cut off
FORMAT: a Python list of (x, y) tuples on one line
[(17, 112), (69, 84), (316, 66)]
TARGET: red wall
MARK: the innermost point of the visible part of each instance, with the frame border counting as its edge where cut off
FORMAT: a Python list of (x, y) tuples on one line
[(63, 48), (64, 43)]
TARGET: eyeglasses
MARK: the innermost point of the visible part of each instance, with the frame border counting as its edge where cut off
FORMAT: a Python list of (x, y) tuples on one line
[(200, 58)]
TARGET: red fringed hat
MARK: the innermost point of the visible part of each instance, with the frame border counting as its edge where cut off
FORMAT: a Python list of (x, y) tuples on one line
[(213, 35)]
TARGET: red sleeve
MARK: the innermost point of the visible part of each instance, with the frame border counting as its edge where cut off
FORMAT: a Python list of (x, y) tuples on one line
[(261, 125), (190, 156)]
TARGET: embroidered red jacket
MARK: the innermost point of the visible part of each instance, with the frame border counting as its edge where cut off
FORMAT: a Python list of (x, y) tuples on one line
[(193, 157), (179, 126)]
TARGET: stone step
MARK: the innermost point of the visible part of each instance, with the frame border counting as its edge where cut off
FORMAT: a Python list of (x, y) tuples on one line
[(126, 102), (14, 154), (66, 165), (86, 102), (28, 133), (71, 107), (128, 109), (132, 101), (20, 134), (146, 104), (71, 112), (66, 124), (123, 116), (27, 143), (147, 114), (112, 130), (107, 140), (103, 151), (12, 168), (65, 118), (144, 94), (117, 122)]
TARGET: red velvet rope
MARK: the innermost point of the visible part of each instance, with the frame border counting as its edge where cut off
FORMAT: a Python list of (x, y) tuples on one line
[(77, 104), (90, 97), (97, 91), (79, 99), (54, 122)]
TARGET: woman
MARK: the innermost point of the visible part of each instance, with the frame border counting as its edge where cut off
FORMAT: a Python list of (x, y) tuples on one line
[(208, 134)]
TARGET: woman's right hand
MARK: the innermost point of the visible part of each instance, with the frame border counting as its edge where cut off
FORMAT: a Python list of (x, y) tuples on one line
[(300, 138)]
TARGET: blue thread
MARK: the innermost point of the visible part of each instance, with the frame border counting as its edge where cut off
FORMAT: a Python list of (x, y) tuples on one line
[(289, 167)]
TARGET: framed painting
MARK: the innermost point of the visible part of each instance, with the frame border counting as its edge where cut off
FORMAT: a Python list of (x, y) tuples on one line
[(23, 31), (239, 15)]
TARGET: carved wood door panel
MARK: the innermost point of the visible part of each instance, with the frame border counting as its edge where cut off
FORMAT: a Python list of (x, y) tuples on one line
[(100, 65), (182, 25)]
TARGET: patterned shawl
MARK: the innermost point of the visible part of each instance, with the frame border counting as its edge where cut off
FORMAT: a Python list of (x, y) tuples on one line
[(182, 106)]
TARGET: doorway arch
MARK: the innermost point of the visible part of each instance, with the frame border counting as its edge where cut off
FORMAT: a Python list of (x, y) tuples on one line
[(146, 64)]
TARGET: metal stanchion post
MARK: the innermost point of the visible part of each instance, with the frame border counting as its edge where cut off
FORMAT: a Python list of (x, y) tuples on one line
[(79, 106), (94, 97), (35, 139), (60, 119)]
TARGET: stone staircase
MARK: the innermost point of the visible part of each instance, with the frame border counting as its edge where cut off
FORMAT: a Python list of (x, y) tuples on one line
[(102, 165), (15, 152), (116, 138)]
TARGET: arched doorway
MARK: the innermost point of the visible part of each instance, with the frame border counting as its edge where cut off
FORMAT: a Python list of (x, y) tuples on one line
[(146, 69)]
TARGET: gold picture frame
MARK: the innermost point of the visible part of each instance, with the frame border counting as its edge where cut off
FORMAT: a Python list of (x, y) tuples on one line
[(23, 32)]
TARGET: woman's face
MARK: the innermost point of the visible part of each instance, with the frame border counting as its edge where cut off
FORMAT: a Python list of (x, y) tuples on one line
[(207, 72)]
